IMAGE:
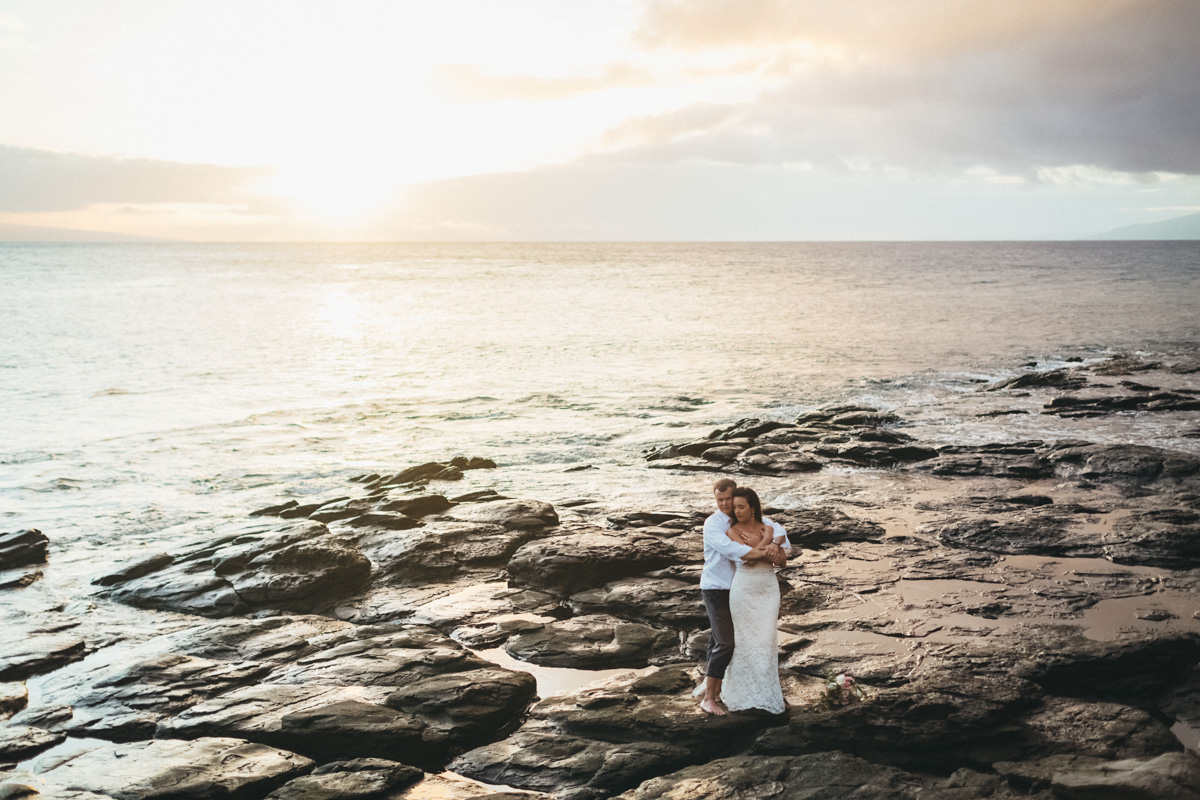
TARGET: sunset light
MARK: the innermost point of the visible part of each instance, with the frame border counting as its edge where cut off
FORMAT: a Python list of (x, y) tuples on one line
[(378, 120), (600, 399)]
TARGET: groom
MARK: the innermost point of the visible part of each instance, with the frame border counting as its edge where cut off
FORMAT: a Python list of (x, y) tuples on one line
[(720, 553)]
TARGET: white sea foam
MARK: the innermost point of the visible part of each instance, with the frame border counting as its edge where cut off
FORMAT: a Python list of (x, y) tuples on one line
[(171, 383)]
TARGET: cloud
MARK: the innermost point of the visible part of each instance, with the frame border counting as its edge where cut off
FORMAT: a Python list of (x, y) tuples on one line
[(926, 27), (939, 85), (34, 180), (651, 201), (469, 82)]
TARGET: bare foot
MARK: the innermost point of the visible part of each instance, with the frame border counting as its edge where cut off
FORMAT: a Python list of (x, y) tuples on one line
[(710, 707)]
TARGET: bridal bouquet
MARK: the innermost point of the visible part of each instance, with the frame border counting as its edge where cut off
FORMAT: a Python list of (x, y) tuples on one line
[(841, 690)]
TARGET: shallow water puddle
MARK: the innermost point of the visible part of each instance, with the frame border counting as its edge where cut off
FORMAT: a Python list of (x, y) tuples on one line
[(555, 680)]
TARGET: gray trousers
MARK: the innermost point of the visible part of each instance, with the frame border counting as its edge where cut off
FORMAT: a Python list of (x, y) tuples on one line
[(716, 603)]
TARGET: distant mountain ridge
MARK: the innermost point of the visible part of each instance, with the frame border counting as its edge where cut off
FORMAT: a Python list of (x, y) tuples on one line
[(36, 233), (1185, 227)]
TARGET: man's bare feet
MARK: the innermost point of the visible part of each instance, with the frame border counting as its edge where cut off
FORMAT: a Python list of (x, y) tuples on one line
[(712, 707)]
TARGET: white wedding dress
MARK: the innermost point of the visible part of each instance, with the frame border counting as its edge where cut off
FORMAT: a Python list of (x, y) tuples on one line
[(752, 678)]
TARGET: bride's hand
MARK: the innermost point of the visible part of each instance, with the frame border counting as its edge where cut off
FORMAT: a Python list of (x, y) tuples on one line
[(757, 554)]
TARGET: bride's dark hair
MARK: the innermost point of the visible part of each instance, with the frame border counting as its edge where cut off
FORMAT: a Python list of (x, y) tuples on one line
[(752, 499)]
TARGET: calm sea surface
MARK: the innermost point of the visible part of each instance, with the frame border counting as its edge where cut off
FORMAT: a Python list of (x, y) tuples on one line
[(147, 385)]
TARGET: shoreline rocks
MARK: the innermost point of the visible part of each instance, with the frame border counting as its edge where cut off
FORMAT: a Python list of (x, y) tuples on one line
[(1021, 613)]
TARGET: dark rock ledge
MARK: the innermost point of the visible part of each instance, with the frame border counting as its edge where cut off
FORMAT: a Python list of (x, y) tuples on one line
[(327, 655), (328, 690), (20, 553)]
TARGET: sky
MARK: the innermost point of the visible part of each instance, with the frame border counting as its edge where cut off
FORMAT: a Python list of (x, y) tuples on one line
[(636, 120)]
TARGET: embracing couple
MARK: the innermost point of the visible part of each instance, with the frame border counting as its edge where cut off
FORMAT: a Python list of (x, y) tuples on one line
[(741, 595)]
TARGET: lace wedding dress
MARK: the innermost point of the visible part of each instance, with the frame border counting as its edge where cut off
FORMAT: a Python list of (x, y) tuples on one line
[(752, 679)]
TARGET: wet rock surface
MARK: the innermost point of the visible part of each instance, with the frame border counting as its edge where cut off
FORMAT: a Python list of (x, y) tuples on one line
[(20, 553), (606, 739), (18, 742), (819, 776), (314, 686), (359, 777), (589, 559), (1173, 775), (594, 641), (22, 548), (1022, 612), (215, 767), (35, 645)]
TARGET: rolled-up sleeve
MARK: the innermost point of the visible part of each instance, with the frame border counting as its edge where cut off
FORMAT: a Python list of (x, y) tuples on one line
[(780, 534), (715, 538)]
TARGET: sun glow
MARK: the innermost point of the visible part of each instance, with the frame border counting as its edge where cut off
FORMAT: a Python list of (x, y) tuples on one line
[(340, 194)]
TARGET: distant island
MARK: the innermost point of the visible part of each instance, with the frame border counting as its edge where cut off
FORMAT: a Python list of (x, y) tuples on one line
[(1185, 227)]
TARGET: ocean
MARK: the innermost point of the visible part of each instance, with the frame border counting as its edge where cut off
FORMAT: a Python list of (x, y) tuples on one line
[(147, 389)]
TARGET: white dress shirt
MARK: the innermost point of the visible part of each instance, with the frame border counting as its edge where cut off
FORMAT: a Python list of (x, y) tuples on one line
[(720, 552)]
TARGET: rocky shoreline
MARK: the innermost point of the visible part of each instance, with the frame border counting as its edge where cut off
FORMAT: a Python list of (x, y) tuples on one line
[(1024, 614)]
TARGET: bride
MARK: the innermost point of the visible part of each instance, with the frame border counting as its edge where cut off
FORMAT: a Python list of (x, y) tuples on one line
[(752, 679)]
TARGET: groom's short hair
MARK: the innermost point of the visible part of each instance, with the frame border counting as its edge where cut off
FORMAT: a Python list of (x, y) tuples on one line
[(724, 485)]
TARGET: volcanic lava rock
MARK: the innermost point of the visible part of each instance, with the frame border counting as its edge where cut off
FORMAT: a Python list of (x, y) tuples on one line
[(513, 514), (343, 780), (19, 742), (209, 768), (816, 776), (588, 559), (661, 601), (411, 694), (1065, 378), (1088, 728), (817, 527), (22, 548), (1174, 775), (1165, 537), (607, 738), (946, 719), (36, 647), (288, 565), (591, 642)]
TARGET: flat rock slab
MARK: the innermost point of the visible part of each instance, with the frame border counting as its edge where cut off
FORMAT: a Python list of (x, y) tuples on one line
[(816, 527), (944, 720), (13, 697), (328, 722), (344, 780), (123, 699), (311, 685), (243, 567), (542, 759), (1134, 671), (1168, 538), (18, 742), (1174, 775), (446, 607), (23, 655), (416, 724), (817, 776), (379, 656), (507, 513), (609, 738), (589, 559), (592, 641), (22, 548), (1102, 730), (167, 768), (440, 549), (663, 601), (19, 577)]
